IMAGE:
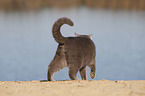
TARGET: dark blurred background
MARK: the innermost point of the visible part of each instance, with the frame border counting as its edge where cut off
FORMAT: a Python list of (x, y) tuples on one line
[(27, 45), (39, 4)]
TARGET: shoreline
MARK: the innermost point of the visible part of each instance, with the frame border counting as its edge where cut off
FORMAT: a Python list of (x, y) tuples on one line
[(101, 4), (73, 88)]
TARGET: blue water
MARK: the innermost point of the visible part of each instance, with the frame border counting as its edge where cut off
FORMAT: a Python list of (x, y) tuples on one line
[(27, 45)]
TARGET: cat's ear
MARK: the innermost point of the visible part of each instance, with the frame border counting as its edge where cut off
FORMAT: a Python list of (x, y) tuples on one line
[(90, 36), (76, 35)]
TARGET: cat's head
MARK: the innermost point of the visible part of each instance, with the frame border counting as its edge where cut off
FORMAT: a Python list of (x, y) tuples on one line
[(88, 36)]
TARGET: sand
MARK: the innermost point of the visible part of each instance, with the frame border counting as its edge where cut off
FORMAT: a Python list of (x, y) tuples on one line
[(72, 88)]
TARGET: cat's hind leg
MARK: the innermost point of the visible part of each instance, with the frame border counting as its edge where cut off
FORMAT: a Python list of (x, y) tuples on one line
[(50, 75), (72, 73), (56, 65), (83, 73), (59, 62)]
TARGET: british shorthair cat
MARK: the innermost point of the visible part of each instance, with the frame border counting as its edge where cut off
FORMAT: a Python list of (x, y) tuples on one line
[(73, 52)]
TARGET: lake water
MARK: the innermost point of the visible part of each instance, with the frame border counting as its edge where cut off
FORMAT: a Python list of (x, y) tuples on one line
[(27, 45)]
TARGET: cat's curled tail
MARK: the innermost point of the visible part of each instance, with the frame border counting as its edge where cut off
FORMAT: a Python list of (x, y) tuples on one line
[(56, 29)]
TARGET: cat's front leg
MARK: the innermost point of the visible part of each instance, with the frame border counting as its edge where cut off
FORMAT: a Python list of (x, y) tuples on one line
[(83, 73), (93, 69)]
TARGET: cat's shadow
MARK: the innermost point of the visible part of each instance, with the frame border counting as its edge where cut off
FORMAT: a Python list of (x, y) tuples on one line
[(52, 81)]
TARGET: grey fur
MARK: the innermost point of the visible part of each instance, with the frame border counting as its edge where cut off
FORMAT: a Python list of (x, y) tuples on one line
[(73, 52)]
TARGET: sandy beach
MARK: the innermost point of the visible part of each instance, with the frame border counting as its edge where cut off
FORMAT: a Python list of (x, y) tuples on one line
[(72, 88)]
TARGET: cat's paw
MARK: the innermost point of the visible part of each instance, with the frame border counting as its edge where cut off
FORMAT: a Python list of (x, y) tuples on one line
[(92, 75)]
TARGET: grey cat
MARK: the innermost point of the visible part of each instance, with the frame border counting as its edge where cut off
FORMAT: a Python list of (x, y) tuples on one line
[(73, 52)]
